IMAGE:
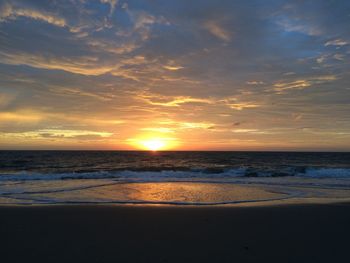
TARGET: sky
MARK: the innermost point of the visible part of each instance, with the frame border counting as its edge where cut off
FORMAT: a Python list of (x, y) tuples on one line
[(176, 75)]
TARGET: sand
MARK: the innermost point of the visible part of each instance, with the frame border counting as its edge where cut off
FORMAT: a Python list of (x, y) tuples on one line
[(139, 233)]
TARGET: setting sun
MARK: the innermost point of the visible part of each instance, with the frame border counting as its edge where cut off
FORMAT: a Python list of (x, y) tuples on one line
[(154, 144)]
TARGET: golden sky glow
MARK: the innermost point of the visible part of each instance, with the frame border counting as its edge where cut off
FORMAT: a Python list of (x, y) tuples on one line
[(175, 75)]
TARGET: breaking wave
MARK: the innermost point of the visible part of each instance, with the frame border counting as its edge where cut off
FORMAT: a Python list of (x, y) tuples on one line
[(181, 175)]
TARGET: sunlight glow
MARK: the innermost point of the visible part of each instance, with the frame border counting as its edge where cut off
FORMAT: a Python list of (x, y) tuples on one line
[(154, 144)]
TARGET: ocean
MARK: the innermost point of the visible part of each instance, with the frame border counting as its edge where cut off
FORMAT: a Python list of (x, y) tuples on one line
[(194, 178)]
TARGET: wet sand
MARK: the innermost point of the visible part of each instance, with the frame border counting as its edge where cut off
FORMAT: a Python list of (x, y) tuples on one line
[(135, 233)]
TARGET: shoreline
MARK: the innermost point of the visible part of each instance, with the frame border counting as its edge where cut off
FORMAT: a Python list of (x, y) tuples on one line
[(252, 193), (166, 233), (296, 202)]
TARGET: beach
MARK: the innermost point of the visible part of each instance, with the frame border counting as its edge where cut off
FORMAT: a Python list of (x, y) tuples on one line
[(175, 233), (82, 207)]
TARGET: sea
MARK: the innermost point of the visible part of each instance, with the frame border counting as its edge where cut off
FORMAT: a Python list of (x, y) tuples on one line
[(172, 177)]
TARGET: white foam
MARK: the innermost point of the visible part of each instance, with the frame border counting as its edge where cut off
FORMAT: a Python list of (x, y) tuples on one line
[(168, 175)]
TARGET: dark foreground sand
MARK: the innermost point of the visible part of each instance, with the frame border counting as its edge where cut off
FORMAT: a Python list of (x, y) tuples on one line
[(293, 233)]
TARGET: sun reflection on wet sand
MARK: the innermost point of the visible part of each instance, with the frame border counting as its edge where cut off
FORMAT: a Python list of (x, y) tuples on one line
[(183, 193), (177, 193), (196, 193)]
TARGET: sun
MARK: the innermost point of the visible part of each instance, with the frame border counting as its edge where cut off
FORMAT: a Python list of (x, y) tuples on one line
[(153, 144)]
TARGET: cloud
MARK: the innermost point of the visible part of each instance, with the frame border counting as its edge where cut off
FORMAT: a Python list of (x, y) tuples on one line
[(69, 133), (297, 116), (80, 65), (339, 57), (242, 106), (111, 47), (195, 71), (170, 101), (5, 11), (57, 134), (336, 42), (288, 73), (195, 125), (180, 126), (217, 30), (9, 12), (112, 3), (236, 104), (254, 82), (6, 99), (29, 119), (129, 68), (321, 59), (294, 25), (177, 101), (303, 83), (297, 84), (245, 130), (259, 131), (20, 116), (80, 92), (143, 22), (168, 67)]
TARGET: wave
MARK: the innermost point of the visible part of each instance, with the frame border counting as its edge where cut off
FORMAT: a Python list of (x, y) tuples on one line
[(191, 175), (327, 173)]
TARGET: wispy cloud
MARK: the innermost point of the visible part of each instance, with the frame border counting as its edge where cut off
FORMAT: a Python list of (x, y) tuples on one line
[(80, 65), (214, 76), (217, 30), (57, 134), (112, 3), (303, 83), (170, 101), (171, 67), (336, 42), (255, 82), (9, 12), (295, 25)]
